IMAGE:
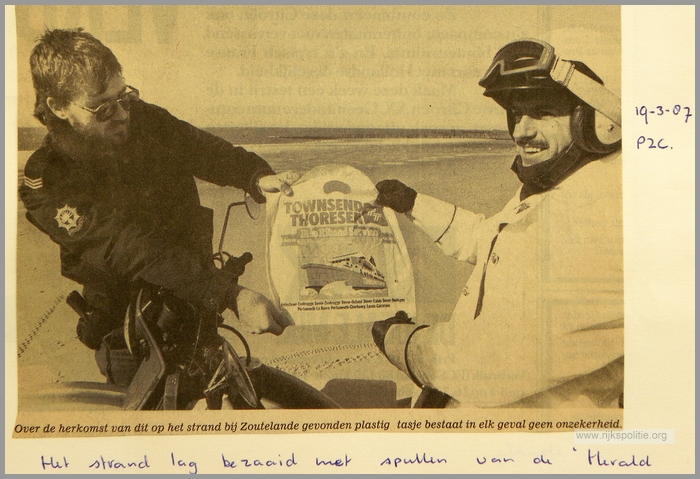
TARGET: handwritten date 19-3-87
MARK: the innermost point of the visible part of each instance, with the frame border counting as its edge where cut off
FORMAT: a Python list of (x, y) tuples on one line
[(663, 111)]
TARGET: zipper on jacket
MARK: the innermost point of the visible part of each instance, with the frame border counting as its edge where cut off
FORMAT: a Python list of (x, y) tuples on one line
[(480, 300)]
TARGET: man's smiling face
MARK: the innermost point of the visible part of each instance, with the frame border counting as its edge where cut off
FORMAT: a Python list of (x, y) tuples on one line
[(542, 129)]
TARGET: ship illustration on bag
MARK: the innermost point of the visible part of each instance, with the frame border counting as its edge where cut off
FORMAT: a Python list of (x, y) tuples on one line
[(354, 269)]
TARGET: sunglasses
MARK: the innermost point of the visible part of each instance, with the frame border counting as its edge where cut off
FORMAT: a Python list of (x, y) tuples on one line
[(106, 110)]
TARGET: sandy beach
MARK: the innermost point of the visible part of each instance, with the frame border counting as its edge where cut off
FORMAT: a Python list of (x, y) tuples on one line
[(473, 174)]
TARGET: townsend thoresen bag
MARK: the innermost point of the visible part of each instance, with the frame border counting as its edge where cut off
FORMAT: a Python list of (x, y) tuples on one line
[(332, 256)]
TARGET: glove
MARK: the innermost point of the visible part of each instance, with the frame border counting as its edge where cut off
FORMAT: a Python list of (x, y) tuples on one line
[(92, 326), (380, 328), (91, 329), (395, 195)]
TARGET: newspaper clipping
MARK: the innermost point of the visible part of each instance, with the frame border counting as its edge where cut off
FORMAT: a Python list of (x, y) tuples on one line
[(324, 225)]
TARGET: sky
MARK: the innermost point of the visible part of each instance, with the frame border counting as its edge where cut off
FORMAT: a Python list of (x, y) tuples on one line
[(322, 66)]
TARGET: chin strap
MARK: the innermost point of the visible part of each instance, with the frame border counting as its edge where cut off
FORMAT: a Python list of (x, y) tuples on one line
[(548, 174), (600, 98)]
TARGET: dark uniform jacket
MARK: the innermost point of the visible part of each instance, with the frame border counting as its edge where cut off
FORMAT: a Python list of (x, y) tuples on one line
[(135, 214)]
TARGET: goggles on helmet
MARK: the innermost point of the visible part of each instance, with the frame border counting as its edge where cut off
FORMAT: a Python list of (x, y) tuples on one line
[(519, 57), (530, 64)]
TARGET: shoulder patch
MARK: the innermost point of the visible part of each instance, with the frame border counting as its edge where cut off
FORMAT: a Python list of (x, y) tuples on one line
[(68, 218), (34, 169)]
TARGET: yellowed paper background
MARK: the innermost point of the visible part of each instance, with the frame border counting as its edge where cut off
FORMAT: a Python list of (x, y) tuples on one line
[(658, 68)]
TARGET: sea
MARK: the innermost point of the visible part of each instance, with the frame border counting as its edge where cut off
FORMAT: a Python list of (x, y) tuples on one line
[(304, 148)]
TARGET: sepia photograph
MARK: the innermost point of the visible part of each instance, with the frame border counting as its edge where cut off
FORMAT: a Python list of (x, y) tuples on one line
[(412, 215), (399, 235)]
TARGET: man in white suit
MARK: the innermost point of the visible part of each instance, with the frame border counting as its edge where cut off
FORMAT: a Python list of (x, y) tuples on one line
[(540, 321)]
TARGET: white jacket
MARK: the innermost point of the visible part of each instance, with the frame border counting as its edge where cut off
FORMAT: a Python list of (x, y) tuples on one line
[(550, 330)]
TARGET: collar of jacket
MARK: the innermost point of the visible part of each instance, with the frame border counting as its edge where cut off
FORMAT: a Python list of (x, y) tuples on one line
[(546, 175)]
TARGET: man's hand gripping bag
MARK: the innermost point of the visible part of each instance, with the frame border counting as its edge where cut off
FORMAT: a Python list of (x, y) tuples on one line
[(332, 256)]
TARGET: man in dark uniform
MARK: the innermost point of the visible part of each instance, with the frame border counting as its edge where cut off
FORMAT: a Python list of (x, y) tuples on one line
[(114, 185)]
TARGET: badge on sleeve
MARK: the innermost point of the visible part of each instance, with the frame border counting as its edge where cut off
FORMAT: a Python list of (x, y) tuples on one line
[(33, 183), (68, 218)]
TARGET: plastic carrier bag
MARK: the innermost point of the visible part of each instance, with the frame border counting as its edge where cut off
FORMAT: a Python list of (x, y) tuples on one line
[(333, 257)]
